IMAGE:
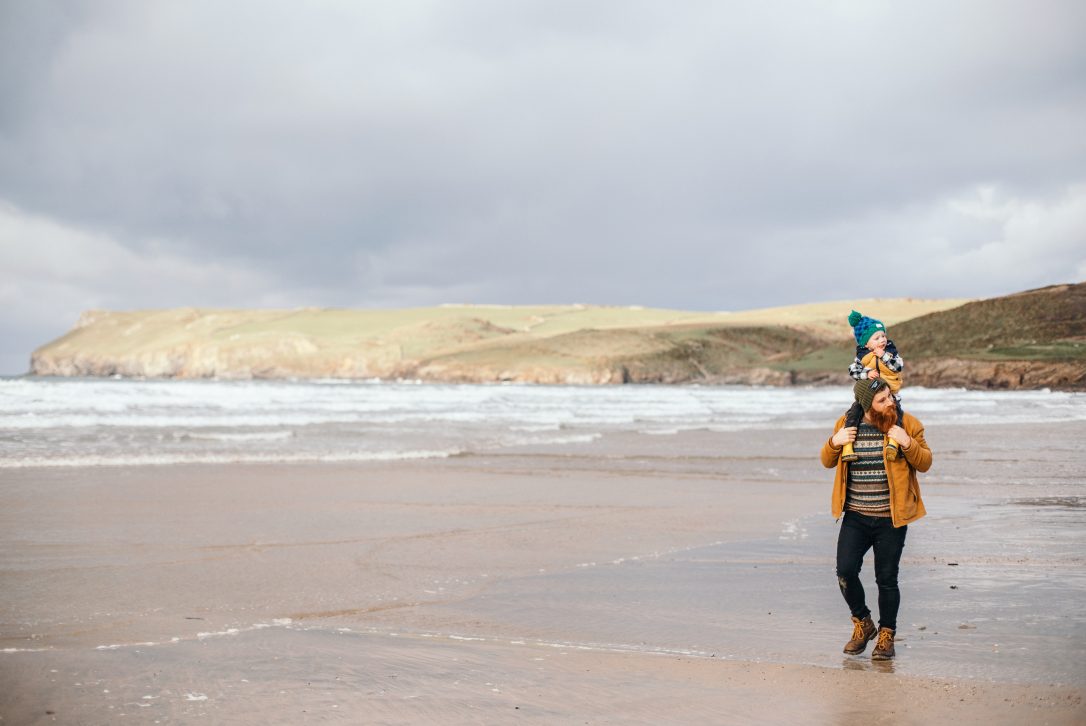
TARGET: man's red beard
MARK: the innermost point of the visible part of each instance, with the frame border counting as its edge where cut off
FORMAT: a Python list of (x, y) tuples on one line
[(883, 421)]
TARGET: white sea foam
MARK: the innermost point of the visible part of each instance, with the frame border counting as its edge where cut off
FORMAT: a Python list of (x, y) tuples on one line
[(125, 645), (71, 422), (24, 650), (511, 441), (218, 633), (240, 458), (243, 436), (275, 623), (793, 530)]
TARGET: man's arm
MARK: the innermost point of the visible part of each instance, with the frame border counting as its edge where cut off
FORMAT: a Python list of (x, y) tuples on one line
[(831, 451), (919, 453)]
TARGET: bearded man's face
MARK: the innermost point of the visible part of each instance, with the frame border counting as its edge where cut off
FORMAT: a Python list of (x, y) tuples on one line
[(883, 413)]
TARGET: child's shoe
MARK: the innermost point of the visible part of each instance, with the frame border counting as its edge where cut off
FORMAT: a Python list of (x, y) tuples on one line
[(847, 453), (893, 449)]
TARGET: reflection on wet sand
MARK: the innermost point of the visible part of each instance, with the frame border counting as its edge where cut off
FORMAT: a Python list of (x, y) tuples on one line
[(864, 663)]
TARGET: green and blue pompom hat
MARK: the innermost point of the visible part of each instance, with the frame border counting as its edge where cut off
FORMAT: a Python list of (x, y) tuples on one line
[(864, 327)]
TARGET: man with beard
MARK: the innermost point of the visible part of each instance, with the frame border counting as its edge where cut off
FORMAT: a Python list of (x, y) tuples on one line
[(879, 498)]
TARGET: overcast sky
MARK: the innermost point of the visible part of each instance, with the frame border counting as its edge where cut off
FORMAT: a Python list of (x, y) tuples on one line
[(697, 155)]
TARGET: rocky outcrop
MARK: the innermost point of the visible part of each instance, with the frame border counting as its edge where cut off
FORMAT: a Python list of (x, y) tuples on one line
[(282, 359), (1008, 375)]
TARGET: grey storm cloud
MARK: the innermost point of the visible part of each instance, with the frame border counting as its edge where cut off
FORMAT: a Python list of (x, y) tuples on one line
[(703, 155)]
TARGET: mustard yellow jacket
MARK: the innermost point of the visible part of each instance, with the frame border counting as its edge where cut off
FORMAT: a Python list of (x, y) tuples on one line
[(905, 503), (892, 378)]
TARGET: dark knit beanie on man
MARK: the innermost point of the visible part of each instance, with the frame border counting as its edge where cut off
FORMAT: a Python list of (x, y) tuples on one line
[(865, 391)]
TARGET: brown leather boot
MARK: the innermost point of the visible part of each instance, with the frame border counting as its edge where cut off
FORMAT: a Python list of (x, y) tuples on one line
[(884, 646), (862, 631)]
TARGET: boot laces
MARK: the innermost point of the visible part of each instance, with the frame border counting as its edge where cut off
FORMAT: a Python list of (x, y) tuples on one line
[(886, 640), (858, 630)]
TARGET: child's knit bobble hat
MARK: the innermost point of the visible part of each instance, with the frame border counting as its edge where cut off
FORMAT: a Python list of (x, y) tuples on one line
[(865, 391), (864, 327)]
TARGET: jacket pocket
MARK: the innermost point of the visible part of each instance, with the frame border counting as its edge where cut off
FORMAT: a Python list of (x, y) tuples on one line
[(912, 499)]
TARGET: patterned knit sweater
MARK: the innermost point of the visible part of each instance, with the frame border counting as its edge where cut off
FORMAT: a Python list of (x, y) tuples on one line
[(868, 489)]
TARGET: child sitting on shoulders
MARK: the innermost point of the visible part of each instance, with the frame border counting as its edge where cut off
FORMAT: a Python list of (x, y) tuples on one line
[(876, 357)]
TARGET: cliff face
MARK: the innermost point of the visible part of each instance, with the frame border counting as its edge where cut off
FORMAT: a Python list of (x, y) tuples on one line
[(552, 344), (284, 359), (175, 344), (1009, 375)]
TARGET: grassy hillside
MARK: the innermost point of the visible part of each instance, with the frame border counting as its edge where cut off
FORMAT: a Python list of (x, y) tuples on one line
[(555, 343), (192, 341), (1032, 339), (663, 354), (1048, 324)]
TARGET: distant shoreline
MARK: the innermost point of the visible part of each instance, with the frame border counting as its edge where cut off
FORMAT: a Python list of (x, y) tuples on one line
[(1030, 340), (970, 375)]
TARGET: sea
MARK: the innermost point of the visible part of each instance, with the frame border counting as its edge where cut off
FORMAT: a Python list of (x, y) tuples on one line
[(50, 422)]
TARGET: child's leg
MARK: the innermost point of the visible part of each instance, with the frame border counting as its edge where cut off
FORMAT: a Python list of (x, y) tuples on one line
[(855, 415), (852, 418), (900, 413)]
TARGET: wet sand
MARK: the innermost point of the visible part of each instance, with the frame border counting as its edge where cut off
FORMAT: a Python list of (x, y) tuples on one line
[(633, 579)]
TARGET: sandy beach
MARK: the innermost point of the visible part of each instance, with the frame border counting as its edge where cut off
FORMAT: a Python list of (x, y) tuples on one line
[(630, 579), (470, 363)]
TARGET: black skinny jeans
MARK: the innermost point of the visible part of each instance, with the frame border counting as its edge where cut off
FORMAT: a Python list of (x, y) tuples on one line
[(858, 534)]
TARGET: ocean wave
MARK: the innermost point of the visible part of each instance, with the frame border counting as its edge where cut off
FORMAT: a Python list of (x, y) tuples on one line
[(64, 422), (241, 436), (585, 438)]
